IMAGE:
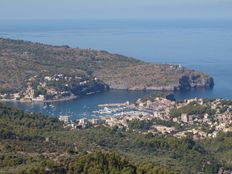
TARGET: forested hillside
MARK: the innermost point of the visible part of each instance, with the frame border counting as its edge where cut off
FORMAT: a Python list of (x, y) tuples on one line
[(33, 143)]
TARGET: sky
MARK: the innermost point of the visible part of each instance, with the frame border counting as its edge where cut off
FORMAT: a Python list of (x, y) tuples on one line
[(115, 9)]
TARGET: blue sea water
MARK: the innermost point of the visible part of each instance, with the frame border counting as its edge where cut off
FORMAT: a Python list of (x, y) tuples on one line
[(204, 45)]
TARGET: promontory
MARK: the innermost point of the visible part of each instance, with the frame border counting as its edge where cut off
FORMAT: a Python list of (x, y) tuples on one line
[(40, 72)]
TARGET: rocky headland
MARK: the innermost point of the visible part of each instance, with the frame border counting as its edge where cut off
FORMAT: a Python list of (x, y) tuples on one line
[(40, 72)]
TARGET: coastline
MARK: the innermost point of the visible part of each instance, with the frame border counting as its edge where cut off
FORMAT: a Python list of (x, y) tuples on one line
[(73, 97), (40, 101), (60, 100)]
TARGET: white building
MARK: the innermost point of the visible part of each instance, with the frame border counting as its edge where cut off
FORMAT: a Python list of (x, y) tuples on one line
[(95, 121), (64, 118), (184, 118), (83, 121)]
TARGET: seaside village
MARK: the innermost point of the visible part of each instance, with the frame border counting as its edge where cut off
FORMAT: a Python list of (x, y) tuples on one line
[(38, 88), (206, 118)]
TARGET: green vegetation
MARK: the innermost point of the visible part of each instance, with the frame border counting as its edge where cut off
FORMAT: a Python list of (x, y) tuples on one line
[(192, 109), (33, 143), (32, 140), (162, 94), (16, 124), (98, 162), (221, 147), (143, 124)]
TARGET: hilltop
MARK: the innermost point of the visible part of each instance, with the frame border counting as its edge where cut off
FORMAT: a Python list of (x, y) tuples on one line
[(35, 71)]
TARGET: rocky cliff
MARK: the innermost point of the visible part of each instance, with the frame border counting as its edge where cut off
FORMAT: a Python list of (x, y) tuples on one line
[(154, 77)]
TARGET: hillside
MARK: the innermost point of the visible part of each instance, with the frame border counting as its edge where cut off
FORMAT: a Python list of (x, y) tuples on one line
[(33, 143), (44, 72)]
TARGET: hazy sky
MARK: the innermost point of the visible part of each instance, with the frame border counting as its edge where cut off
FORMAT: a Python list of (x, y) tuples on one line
[(107, 9)]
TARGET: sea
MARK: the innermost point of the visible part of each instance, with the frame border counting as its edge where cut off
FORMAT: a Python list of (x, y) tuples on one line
[(204, 45)]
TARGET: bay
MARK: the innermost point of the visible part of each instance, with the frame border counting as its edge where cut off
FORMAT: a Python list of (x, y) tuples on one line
[(201, 45)]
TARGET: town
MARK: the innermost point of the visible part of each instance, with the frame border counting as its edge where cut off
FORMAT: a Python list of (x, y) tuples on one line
[(200, 118)]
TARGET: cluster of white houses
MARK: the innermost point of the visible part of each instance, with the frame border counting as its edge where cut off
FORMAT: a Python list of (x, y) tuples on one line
[(159, 109)]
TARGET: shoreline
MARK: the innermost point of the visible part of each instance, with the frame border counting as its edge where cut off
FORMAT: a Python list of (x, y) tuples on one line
[(73, 97), (76, 97), (60, 100), (40, 101)]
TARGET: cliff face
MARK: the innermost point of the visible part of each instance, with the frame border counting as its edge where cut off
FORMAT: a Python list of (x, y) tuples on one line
[(57, 71), (154, 77), (188, 82)]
